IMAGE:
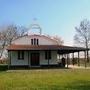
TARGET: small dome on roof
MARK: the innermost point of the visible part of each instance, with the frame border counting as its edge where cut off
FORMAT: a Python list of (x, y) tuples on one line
[(35, 28)]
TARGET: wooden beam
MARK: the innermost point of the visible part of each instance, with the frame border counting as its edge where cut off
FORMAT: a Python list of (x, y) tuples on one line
[(59, 57), (78, 59), (73, 58), (28, 59), (48, 56), (48, 61), (67, 60)]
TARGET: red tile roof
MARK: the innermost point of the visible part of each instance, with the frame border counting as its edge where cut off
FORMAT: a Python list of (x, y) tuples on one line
[(43, 47)]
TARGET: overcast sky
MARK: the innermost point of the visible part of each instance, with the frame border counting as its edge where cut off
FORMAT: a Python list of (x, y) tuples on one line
[(56, 17)]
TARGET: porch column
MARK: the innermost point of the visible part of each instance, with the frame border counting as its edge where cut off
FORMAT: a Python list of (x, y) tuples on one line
[(87, 55), (67, 60), (85, 58), (48, 62), (28, 60), (48, 56), (73, 58), (78, 59), (59, 57)]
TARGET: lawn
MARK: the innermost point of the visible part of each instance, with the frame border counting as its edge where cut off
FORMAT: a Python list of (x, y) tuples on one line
[(45, 79)]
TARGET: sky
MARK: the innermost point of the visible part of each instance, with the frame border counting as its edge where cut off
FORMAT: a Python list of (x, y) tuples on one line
[(56, 17)]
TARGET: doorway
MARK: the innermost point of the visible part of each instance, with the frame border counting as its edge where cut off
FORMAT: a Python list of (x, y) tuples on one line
[(35, 59)]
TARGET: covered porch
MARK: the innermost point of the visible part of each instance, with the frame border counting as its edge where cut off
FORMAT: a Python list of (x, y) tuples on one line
[(61, 51), (73, 55)]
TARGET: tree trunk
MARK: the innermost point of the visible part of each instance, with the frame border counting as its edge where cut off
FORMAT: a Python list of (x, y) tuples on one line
[(87, 51), (87, 56), (3, 46)]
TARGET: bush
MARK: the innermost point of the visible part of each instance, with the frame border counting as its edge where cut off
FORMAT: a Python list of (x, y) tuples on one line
[(3, 67)]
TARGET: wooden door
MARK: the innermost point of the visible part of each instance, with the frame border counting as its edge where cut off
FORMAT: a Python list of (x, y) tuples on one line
[(34, 59)]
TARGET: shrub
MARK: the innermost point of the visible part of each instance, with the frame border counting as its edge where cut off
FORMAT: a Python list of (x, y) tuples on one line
[(3, 67)]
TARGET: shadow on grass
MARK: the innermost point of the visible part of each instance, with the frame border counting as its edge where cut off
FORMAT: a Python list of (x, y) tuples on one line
[(79, 85), (43, 67)]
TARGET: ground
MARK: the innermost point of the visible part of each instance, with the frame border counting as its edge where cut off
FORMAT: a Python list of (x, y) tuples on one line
[(45, 79)]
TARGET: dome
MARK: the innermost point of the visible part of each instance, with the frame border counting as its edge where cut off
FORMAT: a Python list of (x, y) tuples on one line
[(35, 29)]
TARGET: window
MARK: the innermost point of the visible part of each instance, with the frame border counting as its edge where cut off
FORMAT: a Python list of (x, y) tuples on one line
[(31, 41), (37, 41), (34, 41), (47, 55), (20, 55)]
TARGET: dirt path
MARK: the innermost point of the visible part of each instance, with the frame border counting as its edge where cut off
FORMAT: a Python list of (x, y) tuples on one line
[(78, 67)]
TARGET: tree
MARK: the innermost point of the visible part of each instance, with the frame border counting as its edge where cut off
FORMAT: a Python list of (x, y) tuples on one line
[(82, 35), (9, 33), (22, 30), (58, 39)]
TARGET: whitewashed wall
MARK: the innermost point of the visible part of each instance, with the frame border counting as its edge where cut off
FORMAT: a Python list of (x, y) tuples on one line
[(15, 61), (43, 40), (52, 61)]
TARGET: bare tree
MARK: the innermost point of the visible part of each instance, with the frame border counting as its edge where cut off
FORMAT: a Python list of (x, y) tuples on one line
[(82, 36), (58, 39), (9, 33), (22, 30)]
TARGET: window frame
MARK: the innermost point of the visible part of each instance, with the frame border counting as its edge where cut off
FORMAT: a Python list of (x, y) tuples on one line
[(21, 55), (34, 41)]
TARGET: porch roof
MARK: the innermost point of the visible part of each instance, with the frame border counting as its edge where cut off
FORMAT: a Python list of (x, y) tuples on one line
[(60, 48)]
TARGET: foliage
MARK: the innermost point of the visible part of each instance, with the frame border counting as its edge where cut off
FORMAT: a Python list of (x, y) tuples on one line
[(47, 79)]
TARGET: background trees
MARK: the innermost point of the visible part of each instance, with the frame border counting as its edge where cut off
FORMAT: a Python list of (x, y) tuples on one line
[(57, 38), (82, 36), (9, 33)]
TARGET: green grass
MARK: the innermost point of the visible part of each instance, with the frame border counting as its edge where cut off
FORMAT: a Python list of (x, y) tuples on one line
[(52, 79)]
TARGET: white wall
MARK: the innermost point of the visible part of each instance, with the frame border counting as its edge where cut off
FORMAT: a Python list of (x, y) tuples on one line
[(52, 61), (15, 61), (26, 40)]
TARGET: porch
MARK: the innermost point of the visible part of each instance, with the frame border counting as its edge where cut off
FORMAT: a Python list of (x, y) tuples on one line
[(35, 55)]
